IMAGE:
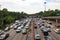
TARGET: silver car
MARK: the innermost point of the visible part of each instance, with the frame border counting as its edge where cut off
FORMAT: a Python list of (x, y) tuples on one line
[(24, 31), (49, 29), (18, 30), (4, 36), (57, 31), (37, 37)]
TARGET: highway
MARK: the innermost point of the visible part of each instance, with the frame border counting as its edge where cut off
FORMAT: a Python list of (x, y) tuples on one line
[(19, 36), (54, 35), (16, 36), (38, 30)]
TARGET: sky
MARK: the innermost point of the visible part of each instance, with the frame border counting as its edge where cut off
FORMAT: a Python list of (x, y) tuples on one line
[(29, 6)]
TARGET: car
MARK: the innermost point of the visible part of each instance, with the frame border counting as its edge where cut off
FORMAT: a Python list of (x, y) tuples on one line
[(4, 36), (7, 28), (15, 27), (48, 26), (42, 27), (37, 37), (49, 29), (58, 26), (29, 38), (19, 27), (57, 31), (22, 26), (24, 31), (18, 30), (35, 26), (48, 38), (45, 32), (1, 32), (26, 27), (50, 23), (17, 22), (11, 26), (42, 24)]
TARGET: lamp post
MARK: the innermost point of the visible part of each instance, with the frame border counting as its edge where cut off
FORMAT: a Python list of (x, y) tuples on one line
[(44, 6)]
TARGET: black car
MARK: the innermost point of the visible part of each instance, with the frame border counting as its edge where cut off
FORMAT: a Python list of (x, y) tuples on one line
[(35, 27), (48, 38), (45, 32)]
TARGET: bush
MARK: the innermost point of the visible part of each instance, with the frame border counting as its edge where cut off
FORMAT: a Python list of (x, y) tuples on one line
[(9, 19), (2, 26)]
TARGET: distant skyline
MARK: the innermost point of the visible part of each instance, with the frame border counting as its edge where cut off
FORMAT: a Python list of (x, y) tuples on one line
[(29, 6)]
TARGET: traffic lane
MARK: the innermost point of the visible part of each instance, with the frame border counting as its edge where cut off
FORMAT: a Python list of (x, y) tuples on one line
[(52, 36), (53, 28), (16, 37), (55, 35), (53, 31), (19, 36), (41, 34), (37, 30), (9, 31), (12, 33), (23, 37)]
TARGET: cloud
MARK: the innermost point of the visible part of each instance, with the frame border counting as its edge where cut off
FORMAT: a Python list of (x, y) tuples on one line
[(28, 6), (53, 5), (53, 0)]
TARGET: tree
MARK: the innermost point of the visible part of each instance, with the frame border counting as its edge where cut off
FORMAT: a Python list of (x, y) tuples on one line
[(9, 19)]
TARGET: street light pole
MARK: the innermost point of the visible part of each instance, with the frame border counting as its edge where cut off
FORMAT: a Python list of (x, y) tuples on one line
[(45, 6)]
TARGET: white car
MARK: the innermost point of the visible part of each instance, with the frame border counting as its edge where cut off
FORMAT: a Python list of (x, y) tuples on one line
[(17, 21), (42, 27), (57, 31), (24, 31), (26, 27), (37, 37), (1, 32), (11, 26), (21, 26), (18, 29), (7, 28), (15, 27)]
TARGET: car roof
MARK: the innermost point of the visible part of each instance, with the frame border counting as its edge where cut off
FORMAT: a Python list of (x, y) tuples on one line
[(37, 34)]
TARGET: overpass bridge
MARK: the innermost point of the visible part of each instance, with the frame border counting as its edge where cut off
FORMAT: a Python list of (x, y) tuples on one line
[(56, 18)]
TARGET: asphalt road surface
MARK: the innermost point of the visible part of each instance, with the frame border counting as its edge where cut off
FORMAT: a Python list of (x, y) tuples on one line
[(20, 36)]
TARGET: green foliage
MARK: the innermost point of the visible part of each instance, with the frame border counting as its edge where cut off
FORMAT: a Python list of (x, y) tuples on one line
[(47, 13), (9, 19), (51, 13), (2, 26)]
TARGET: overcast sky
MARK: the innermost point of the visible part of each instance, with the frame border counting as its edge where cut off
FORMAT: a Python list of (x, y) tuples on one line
[(29, 6)]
